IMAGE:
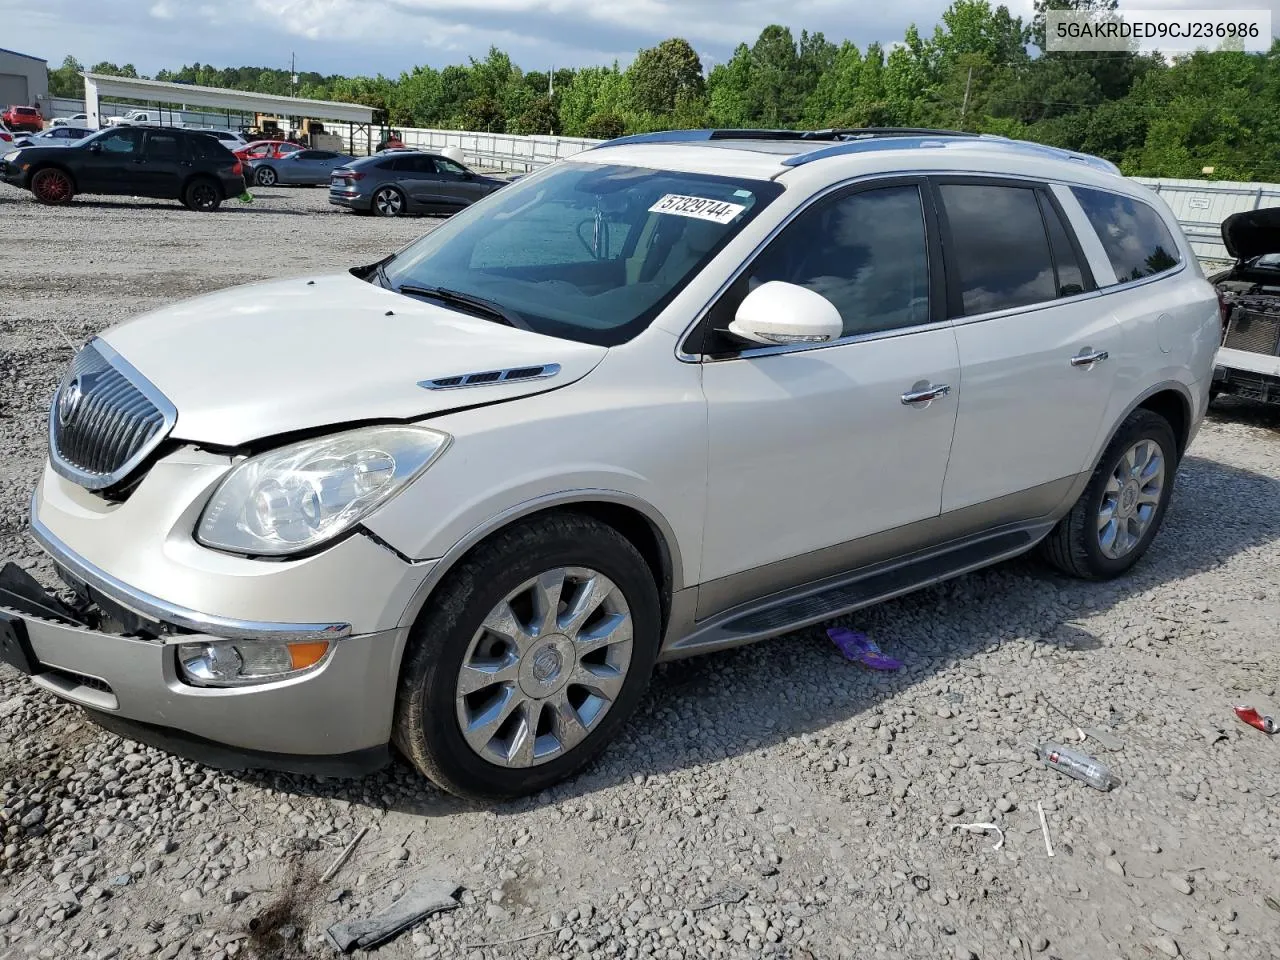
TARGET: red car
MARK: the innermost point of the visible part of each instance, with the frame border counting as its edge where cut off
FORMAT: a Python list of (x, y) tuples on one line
[(266, 150), (22, 118)]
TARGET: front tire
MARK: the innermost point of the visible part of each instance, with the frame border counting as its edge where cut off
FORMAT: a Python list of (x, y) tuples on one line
[(52, 186), (266, 177), (531, 656), (1113, 523)]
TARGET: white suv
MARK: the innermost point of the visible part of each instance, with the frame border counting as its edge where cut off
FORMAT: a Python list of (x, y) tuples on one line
[(681, 392)]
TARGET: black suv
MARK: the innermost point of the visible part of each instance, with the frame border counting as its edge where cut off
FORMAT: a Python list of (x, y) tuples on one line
[(163, 162)]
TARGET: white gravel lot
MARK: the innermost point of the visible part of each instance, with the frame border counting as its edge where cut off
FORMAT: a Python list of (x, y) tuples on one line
[(774, 800)]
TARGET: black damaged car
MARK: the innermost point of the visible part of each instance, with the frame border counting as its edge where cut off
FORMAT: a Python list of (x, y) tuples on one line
[(163, 162)]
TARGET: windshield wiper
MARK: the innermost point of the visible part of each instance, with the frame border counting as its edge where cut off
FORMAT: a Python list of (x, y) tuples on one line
[(455, 298)]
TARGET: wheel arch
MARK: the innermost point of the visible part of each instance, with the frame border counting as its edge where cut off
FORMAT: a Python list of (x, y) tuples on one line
[(642, 525), (50, 164), (194, 177)]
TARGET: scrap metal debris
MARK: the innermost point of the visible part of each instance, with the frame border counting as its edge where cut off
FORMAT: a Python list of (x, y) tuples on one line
[(1253, 718), (729, 894), (344, 856), (427, 896), (1044, 827), (982, 828)]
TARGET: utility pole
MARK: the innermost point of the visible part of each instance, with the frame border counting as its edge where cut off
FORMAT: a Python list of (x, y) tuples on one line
[(293, 73), (551, 82), (964, 107)]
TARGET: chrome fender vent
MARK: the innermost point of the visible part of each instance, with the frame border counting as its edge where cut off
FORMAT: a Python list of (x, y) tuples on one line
[(489, 377)]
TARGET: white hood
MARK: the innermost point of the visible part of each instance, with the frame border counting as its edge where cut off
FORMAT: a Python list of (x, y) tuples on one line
[(268, 358)]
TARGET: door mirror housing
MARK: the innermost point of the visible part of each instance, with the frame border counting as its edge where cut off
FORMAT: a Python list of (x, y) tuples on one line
[(95, 148), (785, 313)]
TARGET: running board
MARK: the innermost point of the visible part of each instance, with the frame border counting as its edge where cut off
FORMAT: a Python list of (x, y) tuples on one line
[(814, 602)]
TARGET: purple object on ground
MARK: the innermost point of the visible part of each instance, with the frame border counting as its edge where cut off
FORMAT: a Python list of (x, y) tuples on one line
[(860, 648)]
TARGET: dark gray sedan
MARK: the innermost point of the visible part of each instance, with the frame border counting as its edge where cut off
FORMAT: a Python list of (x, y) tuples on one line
[(302, 167), (408, 181)]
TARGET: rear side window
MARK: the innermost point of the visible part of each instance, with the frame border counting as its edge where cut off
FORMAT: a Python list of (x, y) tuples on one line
[(163, 146), (1135, 237), (999, 248), (1071, 276)]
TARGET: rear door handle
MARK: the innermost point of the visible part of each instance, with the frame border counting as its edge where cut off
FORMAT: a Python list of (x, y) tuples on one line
[(1089, 359), (925, 394)]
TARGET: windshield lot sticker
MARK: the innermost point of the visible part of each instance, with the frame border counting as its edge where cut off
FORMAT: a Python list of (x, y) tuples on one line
[(700, 208)]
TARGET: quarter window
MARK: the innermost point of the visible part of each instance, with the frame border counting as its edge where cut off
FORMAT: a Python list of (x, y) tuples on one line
[(999, 247), (1135, 237), (865, 252)]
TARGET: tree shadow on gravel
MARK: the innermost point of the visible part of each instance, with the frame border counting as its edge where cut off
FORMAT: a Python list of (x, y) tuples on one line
[(705, 709)]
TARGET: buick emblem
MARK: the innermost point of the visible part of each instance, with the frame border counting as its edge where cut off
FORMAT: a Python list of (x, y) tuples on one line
[(69, 400)]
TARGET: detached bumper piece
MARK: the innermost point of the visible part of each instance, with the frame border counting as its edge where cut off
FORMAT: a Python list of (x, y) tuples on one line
[(1246, 384)]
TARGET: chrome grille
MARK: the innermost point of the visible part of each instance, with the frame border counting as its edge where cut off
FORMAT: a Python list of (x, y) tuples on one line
[(105, 419), (1254, 325)]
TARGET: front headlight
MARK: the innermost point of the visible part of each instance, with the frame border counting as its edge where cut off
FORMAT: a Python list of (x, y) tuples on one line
[(299, 496), (10, 156)]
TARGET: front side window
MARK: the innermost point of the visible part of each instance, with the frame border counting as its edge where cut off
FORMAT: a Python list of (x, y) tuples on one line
[(867, 253), (998, 247), (445, 165), (1135, 237), (589, 252), (121, 142)]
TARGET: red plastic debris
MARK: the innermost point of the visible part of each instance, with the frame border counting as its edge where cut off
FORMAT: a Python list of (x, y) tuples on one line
[(1254, 719)]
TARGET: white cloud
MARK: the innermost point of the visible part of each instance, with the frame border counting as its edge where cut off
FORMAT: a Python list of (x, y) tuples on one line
[(162, 10)]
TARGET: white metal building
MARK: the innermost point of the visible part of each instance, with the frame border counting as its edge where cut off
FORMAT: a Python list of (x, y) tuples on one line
[(24, 79), (98, 86)]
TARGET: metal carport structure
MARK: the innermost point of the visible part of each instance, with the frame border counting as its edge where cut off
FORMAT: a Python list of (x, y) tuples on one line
[(98, 86)]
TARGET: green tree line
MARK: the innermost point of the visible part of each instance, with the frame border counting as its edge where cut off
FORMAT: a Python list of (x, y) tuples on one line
[(981, 69)]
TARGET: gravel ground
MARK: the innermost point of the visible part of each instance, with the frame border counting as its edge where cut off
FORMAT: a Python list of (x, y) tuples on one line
[(769, 801)]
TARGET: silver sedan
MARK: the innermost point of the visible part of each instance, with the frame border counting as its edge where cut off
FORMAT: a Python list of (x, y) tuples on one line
[(302, 167)]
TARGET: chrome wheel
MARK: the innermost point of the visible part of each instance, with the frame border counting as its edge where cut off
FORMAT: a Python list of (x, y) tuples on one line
[(1131, 498), (388, 203), (545, 667)]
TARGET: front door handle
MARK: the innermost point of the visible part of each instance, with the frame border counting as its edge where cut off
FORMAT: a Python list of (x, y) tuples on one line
[(1089, 359), (924, 393)]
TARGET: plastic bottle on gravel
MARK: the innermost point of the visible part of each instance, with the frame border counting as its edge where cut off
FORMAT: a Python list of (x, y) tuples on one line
[(1077, 765)]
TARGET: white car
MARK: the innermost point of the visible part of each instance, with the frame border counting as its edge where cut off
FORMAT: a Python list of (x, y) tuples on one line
[(135, 118), (228, 138), (75, 120), (680, 392)]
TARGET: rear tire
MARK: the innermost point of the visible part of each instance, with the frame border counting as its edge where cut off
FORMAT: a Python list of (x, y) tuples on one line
[(388, 202), (202, 195), (52, 186), (560, 691), (1113, 523)]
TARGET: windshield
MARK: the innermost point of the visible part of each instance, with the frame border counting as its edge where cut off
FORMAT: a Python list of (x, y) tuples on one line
[(584, 251)]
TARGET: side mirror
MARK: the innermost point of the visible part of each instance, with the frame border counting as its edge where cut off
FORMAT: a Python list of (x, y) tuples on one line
[(783, 313), (95, 148)]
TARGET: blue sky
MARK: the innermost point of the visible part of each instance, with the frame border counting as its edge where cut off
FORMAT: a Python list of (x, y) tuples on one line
[(388, 36)]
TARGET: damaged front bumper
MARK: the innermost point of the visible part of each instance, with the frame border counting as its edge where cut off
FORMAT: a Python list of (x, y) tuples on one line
[(114, 647)]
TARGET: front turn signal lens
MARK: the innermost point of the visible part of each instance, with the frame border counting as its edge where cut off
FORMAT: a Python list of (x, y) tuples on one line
[(303, 655)]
